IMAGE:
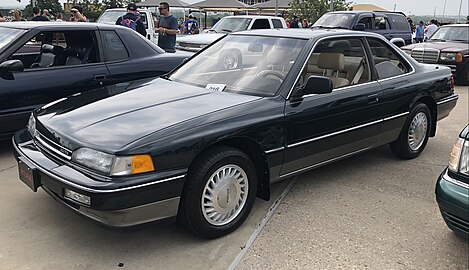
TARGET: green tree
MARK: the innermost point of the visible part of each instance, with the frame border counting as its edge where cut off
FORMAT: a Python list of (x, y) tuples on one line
[(313, 9)]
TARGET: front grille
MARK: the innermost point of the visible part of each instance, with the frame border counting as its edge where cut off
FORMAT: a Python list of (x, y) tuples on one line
[(51, 147), (457, 222), (426, 55)]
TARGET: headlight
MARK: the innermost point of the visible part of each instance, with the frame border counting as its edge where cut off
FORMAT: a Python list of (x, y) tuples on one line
[(459, 159), (32, 125), (112, 165), (451, 57)]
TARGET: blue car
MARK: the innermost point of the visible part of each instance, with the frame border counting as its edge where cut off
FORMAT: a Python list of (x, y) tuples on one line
[(452, 187)]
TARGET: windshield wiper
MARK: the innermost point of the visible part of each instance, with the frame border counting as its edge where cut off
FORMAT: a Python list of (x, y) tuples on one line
[(330, 27), (437, 39), (463, 40), (227, 30), (212, 30), (166, 77)]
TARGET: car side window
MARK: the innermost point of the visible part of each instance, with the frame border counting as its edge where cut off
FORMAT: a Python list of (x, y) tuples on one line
[(277, 23), (342, 60), (115, 49), (367, 21), (261, 24), (399, 22), (60, 48), (387, 61), (381, 23)]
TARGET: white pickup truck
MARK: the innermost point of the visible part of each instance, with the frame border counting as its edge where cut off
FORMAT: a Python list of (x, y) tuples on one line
[(111, 15), (227, 25)]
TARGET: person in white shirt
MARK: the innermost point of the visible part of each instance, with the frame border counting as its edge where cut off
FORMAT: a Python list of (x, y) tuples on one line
[(429, 30)]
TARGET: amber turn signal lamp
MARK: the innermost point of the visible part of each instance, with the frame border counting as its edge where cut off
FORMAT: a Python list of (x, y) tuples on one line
[(141, 164)]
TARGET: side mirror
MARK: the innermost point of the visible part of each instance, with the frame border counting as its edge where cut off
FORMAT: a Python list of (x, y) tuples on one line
[(360, 27), (318, 85), (8, 67)]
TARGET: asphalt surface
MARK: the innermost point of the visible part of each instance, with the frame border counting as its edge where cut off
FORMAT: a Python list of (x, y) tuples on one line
[(371, 211)]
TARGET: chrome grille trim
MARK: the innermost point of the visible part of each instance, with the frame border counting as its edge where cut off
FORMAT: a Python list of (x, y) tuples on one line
[(53, 147), (426, 55)]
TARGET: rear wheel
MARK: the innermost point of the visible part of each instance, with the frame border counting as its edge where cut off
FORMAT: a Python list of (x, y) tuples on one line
[(414, 134), (219, 193)]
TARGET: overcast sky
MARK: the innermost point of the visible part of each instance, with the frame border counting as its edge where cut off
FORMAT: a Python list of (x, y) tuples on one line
[(412, 7)]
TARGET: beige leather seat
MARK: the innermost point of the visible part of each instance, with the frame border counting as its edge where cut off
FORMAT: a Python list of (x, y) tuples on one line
[(334, 62)]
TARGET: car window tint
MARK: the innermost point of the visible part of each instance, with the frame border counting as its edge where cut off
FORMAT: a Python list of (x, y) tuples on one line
[(261, 24), (52, 49), (367, 21), (387, 61), (381, 23), (115, 49), (342, 60), (277, 23), (400, 22)]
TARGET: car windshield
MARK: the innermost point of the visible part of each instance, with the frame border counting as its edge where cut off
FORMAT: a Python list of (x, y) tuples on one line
[(335, 20), (228, 25), (7, 35), (250, 65), (451, 33)]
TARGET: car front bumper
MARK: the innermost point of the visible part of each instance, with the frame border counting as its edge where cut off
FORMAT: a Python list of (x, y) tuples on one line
[(452, 196), (115, 204)]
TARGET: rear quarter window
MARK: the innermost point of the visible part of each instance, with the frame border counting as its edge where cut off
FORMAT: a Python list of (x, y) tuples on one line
[(277, 23), (400, 22)]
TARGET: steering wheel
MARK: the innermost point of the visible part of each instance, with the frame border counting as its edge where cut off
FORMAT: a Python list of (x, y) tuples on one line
[(267, 73)]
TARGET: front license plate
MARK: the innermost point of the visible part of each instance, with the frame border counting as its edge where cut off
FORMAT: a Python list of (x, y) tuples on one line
[(28, 174)]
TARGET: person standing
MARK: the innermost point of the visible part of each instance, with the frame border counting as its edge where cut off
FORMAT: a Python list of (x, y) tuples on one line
[(77, 14), (191, 26), (431, 28), (294, 23), (132, 20), (305, 23), (37, 15), (2, 19), (167, 28), (45, 13), (17, 16), (419, 32)]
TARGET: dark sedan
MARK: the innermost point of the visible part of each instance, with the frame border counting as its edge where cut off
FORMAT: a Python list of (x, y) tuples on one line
[(204, 141), (452, 187), (41, 62), (448, 46)]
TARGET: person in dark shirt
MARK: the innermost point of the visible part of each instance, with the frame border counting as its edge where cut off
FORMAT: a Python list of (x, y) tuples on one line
[(38, 16), (132, 20), (168, 27), (294, 23)]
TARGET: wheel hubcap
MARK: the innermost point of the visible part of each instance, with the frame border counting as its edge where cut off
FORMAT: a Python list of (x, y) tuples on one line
[(417, 131), (224, 195)]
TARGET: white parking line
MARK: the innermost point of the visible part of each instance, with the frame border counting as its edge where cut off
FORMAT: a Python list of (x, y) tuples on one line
[(261, 226)]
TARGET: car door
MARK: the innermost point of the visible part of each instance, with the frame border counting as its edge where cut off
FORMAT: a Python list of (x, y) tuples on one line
[(324, 127), (399, 90), (382, 26), (56, 70)]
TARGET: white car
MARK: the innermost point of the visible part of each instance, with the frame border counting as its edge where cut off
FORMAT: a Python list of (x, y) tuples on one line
[(225, 26)]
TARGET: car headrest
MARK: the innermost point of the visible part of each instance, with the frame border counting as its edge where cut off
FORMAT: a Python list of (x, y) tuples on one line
[(334, 61), (340, 46), (47, 48)]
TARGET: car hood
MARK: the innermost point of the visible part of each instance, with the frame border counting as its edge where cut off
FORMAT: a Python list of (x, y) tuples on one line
[(443, 46), (111, 119), (200, 39)]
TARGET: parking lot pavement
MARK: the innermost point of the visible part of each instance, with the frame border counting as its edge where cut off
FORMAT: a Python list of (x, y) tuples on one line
[(371, 211)]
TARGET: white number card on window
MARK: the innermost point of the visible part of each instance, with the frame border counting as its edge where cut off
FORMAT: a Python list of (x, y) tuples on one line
[(215, 87)]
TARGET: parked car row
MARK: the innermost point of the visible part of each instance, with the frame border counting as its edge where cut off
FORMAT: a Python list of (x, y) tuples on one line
[(43, 62), (203, 141)]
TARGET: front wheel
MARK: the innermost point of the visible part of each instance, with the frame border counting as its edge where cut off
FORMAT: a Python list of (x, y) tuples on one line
[(414, 135), (219, 192)]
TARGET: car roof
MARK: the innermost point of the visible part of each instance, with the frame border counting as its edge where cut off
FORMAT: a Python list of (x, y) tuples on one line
[(306, 33), (27, 25), (456, 25), (252, 17), (367, 11)]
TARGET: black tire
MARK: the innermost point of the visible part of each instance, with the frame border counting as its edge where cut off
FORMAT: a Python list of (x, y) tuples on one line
[(231, 59), (194, 216), (405, 146)]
